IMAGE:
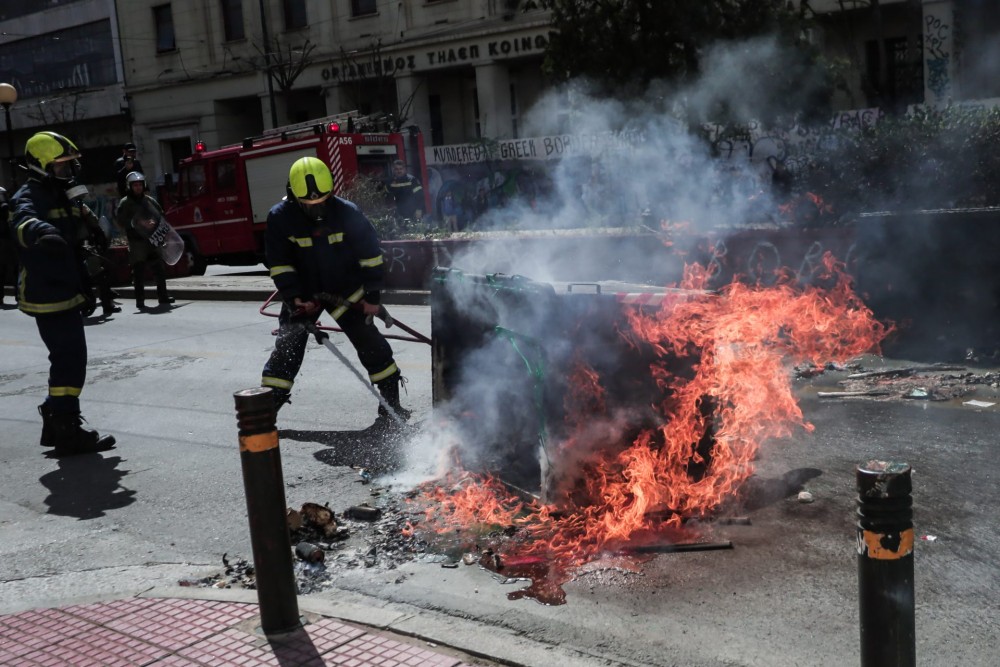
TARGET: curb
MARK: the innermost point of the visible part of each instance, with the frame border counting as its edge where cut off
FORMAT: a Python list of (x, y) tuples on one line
[(389, 297)]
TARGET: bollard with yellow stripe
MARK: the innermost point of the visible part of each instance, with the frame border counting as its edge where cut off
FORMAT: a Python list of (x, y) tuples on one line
[(885, 564), (264, 487)]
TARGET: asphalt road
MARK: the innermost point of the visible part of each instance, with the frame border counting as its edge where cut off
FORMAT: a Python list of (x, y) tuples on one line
[(169, 502)]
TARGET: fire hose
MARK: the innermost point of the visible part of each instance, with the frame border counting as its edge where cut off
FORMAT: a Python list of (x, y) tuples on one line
[(536, 369), (328, 301), (324, 338)]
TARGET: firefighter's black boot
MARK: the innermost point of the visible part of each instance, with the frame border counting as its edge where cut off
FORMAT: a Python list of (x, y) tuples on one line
[(66, 433), (281, 397), (389, 388)]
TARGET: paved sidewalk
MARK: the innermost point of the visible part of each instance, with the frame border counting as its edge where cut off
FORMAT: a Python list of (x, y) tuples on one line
[(175, 632)]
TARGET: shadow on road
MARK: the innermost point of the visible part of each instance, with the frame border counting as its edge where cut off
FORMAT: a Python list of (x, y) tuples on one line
[(375, 448), (87, 486)]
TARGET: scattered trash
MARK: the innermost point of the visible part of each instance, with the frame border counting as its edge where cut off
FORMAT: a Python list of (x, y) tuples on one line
[(239, 573), (979, 404), (294, 519), (928, 538), (934, 382), (450, 565), (371, 556), (314, 523), (470, 558), (309, 552), (805, 497), (366, 477), (363, 512)]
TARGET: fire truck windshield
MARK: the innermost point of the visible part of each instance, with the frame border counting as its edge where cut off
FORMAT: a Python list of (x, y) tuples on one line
[(192, 181)]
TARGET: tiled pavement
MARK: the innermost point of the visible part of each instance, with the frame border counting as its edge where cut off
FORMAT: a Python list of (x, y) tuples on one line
[(170, 632)]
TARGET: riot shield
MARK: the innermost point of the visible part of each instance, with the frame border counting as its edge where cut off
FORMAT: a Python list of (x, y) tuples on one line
[(152, 226)]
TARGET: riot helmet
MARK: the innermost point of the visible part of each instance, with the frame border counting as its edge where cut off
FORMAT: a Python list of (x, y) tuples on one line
[(311, 184), (136, 177)]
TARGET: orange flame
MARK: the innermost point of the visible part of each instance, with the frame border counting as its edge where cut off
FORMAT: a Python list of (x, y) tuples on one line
[(737, 346)]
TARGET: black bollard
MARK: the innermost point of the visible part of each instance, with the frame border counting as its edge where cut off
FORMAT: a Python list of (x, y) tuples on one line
[(885, 565), (265, 491)]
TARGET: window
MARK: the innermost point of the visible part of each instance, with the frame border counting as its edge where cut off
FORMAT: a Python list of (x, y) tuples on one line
[(164, 22), (232, 19), (437, 121), (363, 7), (192, 181), (514, 116), (475, 112), (904, 82), (225, 174), (295, 14)]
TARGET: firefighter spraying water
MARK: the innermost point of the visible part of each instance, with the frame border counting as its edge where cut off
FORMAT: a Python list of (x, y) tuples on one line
[(324, 254)]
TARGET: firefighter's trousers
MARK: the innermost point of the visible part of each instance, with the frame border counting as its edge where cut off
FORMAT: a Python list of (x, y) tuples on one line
[(372, 348), (66, 341)]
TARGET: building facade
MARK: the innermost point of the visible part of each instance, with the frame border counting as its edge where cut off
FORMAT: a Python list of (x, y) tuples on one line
[(168, 73), (198, 71), (62, 58)]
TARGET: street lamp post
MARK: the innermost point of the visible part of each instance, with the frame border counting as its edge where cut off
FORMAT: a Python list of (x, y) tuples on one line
[(8, 95)]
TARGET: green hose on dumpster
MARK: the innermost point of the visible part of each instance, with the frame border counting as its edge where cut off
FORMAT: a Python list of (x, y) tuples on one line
[(537, 371)]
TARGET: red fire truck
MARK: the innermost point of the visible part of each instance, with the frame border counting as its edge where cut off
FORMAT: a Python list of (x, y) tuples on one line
[(222, 197)]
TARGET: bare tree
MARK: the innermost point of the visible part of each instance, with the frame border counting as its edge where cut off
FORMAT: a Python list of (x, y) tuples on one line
[(284, 63), (64, 108), (369, 75)]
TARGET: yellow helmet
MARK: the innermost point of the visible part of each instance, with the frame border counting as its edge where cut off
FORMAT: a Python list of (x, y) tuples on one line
[(310, 181), (48, 148)]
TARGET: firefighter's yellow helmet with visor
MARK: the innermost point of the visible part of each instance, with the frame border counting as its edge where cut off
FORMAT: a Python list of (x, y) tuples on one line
[(310, 181), (45, 149)]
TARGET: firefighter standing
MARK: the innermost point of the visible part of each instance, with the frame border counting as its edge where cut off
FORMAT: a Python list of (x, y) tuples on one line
[(47, 223), (137, 205), (406, 192), (316, 245)]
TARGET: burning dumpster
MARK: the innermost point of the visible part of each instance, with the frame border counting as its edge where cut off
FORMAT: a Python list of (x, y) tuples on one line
[(628, 412), (515, 364)]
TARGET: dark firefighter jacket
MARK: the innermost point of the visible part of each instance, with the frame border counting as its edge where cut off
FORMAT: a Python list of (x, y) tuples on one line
[(339, 254), (49, 282), (407, 194)]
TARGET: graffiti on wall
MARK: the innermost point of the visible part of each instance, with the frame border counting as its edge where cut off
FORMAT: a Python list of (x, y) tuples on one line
[(937, 47)]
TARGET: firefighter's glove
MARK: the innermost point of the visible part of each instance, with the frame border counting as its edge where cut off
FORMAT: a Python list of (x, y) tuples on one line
[(53, 243), (386, 318), (370, 311), (302, 308)]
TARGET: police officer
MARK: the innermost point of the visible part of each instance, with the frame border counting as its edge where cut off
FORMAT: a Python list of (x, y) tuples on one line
[(318, 245), (406, 192), (48, 222), (137, 205)]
